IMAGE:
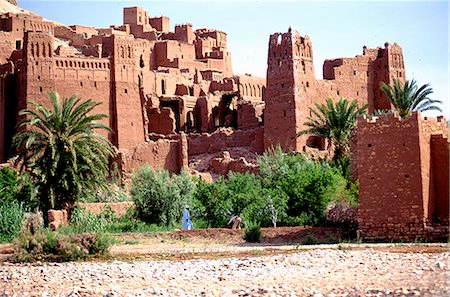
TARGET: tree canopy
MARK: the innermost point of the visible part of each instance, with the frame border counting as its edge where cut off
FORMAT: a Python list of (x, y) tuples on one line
[(335, 123), (61, 149)]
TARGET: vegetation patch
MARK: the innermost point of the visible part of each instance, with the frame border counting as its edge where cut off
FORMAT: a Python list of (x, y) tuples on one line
[(48, 245), (11, 219), (252, 233)]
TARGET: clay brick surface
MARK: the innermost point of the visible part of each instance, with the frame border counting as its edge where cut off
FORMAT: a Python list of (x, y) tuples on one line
[(118, 208), (397, 198)]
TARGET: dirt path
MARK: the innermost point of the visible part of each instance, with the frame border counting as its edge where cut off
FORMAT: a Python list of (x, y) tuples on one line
[(219, 263)]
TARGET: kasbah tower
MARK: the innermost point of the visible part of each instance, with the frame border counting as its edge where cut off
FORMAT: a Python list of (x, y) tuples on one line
[(292, 87)]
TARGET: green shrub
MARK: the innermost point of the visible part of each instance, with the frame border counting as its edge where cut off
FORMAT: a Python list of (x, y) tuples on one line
[(304, 219), (107, 193), (244, 193), (309, 185), (49, 245), (159, 198), (252, 233), (83, 220), (11, 219), (15, 187), (309, 240), (352, 194), (210, 203)]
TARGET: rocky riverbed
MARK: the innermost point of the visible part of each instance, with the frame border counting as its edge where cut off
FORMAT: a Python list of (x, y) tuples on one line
[(340, 271)]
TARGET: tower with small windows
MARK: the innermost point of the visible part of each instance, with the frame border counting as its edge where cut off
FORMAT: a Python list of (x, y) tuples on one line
[(38, 68), (289, 71), (125, 76)]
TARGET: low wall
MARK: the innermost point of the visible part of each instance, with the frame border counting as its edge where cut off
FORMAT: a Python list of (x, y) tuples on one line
[(119, 208), (160, 154)]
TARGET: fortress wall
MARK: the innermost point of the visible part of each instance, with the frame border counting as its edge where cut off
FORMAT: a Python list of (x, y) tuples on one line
[(394, 161), (88, 79), (7, 46)]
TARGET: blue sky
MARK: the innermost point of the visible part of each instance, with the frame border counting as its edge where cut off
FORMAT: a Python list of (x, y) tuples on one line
[(336, 28)]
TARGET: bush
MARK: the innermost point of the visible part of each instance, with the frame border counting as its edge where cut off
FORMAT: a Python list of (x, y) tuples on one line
[(15, 187), (245, 195), (210, 203), (309, 240), (252, 233), (159, 198), (309, 185), (107, 193), (48, 245), (11, 219), (82, 220)]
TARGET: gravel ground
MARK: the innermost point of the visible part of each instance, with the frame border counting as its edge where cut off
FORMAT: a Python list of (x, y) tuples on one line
[(312, 272)]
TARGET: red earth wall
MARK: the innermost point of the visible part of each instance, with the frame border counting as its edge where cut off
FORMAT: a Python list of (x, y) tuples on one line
[(226, 138), (397, 199)]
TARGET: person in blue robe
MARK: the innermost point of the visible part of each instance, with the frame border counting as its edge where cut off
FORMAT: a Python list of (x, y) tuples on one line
[(187, 224)]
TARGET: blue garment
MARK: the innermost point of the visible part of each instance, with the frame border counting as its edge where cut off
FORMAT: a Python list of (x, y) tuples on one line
[(187, 224)]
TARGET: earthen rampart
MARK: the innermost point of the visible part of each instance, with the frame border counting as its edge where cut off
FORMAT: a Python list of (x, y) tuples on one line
[(397, 198)]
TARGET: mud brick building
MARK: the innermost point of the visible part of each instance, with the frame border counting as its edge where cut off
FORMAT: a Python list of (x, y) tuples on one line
[(151, 82), (292, 87), (173, 102)]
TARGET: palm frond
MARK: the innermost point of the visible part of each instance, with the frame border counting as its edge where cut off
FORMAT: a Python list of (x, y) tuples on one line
[(409, 97)]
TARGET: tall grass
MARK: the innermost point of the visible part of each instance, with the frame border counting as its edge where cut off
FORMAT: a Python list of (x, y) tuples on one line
[(84, 221), (11, 218)]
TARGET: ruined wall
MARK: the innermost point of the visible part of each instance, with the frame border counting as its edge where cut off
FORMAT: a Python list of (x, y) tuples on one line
[(440, 179), (163, 154), (251, 88), (394, 160), (434, 166), (131, 76), (8, 112), (225, 138), (160, 24), (37, 78), (7, 46)]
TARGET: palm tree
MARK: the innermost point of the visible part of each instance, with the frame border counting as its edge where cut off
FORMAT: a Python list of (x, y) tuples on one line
[(409, 97), (61, 151), (334, 122)]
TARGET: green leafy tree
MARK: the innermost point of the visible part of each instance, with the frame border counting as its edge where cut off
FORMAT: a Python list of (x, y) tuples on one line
[(159, 198), (61, 149), (409, 97), (211, 203), (334, 122), (243, 190), (304, 186)]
